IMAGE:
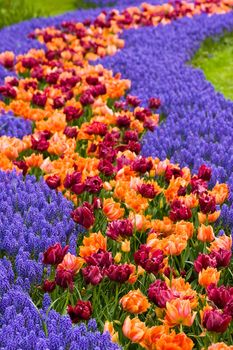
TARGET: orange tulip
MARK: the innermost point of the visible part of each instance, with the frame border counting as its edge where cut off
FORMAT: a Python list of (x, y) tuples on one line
[(108, 327), (135, 302), (125, 246), (112, 209), (134, 329), (205, 233), (224, 242), (92, 244), (173, 244), (220, 346), (203, 218), (179, 312), (220, 192), (151, 337), (208, 276), (174, 341), (71, 262), (184, 227), (183, 289)]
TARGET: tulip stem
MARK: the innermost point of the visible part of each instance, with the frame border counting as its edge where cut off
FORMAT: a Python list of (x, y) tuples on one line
[(181, 328)]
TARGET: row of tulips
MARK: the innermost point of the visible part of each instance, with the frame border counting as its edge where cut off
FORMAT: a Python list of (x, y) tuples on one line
[(153, 267)]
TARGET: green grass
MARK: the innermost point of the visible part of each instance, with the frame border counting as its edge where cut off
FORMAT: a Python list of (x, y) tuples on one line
[(215, 58), (14, 11)]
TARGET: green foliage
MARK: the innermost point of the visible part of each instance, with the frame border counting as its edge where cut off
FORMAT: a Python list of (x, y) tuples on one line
[(14, 11), (215, 59)]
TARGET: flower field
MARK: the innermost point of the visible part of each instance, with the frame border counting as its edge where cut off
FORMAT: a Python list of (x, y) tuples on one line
[(116, 175)]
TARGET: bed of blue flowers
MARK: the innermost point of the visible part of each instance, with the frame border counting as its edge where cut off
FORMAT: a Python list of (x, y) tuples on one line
[(197, 128)]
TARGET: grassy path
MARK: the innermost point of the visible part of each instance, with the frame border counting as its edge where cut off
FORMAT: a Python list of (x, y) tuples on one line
[(215, 58)]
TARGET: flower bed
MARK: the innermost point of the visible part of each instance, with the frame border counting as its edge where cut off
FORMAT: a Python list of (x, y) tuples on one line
[(92, 227)]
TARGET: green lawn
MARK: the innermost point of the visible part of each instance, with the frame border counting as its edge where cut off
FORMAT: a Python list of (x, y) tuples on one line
[(14, 11), (215, 58), (53, 7)]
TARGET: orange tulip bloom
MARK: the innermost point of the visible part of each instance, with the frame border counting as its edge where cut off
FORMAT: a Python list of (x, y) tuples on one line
[(165, 226), (71, 262), (203, 218), (224, 242), (135, 302), (112, 209), (151, 337), (220, 192), (139, 221), (134, 329), (179, 312), (205, 233), (108, 327), (208, 276), (92, 244), (174, 341), (183, 289), (220, 346), (184, 227), (173, 245)]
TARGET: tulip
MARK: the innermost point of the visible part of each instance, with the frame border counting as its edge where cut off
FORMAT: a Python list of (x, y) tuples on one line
[(152, 262), (208, 276), (203, 261), (39, 143), (130, 135), (207, 203), (134, 302), (174, 341), (228, 309), (147, 191), (133, 101), (204, 172), (83, 215), (92, 274), (70, 132), (65, 279), (48, 286), (172, 172), (220, 346), (72, 179), (93, 184), (97, 128), (159, 293), (178, 311), (72, 113), (179, 211), (123, 121), (102, 259), (119, 229), (119, 273), (8, 91), (81, 311), (134, 146), (205, 233), (219, 296), (53, 181), (142, 165), (55, 254), (106, 167), (216, 321), (86, 98), (198, 186), (39, 99), (134, 329), (222, 256), (108, 327), (21, 165), (71, 262)]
